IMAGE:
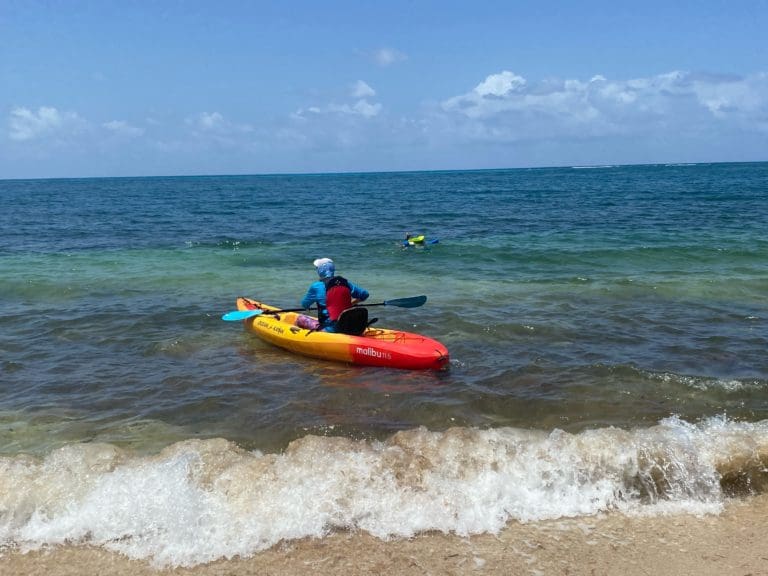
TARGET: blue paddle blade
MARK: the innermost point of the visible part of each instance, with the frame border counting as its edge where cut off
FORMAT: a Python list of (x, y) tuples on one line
[(240, 315), (411, 302)]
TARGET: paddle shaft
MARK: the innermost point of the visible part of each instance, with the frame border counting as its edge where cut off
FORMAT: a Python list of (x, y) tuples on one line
[(411, 302)]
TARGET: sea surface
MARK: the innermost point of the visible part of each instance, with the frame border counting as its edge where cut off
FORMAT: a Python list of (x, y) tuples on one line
[(607, 326)]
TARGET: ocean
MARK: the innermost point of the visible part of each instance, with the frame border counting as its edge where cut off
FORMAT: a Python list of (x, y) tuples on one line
[(607, 327)]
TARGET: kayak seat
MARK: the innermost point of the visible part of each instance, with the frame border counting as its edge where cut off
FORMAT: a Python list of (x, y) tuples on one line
[(353, 321)]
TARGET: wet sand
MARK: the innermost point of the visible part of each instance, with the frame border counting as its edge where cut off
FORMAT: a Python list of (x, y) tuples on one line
[(734, 543)]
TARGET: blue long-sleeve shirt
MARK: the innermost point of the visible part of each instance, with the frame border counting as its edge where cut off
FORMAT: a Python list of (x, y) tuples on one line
[(316, 295)]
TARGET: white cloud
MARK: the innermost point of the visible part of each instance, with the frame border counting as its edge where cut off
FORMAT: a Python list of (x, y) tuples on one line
[(731, 96), (366, 109), (211, 121), (388, 56), (25, 124), (505, 106), (214, 123), (361, 90), (206, 121), (498, 119), (500, 84), (123, 128), (359, 108)]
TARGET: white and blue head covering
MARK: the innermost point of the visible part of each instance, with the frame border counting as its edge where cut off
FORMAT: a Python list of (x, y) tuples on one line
[(325, 267)]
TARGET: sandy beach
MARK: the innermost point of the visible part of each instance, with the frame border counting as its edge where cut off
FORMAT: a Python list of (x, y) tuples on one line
[(733, 543)]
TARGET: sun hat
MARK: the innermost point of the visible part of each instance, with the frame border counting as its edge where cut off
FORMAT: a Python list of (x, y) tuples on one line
[(325, 267)]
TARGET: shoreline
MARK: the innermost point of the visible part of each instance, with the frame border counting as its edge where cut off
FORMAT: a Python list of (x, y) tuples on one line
[(734, 543)]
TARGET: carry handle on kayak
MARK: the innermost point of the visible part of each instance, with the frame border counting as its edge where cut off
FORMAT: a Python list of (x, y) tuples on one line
[(412, 302)]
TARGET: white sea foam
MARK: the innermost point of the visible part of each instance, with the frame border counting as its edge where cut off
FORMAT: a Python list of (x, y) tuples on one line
[(596, 167), (704, 383), (201, 500)]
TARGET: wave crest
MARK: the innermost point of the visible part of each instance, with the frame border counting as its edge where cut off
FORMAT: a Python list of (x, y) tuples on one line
[(200, 500)]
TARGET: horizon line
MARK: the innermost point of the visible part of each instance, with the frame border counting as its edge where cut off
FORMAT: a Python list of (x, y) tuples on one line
[(373, 172)]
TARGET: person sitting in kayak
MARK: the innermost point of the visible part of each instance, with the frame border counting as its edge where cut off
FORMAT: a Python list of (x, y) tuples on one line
[(332, 294)]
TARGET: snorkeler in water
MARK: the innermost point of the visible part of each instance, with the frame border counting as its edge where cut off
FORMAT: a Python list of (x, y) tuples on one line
[(417, 240)]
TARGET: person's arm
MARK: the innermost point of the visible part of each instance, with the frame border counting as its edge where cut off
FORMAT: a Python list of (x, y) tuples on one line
[(310, 297), (358, 294)]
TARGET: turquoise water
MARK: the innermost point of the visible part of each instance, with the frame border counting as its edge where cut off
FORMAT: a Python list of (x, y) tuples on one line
[(586, 302)]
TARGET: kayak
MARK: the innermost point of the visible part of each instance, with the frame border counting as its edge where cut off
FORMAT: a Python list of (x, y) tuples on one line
[(419, 240), (375, 347)]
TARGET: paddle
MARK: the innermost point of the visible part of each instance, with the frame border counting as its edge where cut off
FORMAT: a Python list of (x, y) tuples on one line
[(412, 302)]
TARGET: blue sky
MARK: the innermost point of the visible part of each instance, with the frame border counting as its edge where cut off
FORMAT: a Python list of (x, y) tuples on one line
[(173, 87)]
